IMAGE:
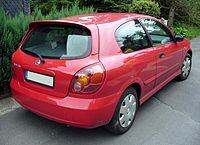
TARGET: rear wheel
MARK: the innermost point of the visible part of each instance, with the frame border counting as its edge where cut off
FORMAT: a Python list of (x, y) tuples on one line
[(186, 68), (125, 112)]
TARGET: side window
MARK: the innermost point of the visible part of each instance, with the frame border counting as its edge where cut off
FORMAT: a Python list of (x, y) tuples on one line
[(159, 34), (131, 37)]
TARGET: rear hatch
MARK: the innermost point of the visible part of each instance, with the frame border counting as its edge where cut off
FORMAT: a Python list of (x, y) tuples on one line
[(51, 54)]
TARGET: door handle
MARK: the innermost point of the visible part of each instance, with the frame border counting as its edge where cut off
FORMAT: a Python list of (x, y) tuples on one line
[(162, 55)]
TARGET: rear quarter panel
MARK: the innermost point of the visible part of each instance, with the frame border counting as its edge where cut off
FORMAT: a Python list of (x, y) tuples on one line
[(123, 69)]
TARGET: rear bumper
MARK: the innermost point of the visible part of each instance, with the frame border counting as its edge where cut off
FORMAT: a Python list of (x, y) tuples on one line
[(84, 113)]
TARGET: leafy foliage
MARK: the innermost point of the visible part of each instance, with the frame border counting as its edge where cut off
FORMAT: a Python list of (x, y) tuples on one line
[(46, 5), (181, 30), (145, 7), (188, 31), (187, 11), (105, 5)]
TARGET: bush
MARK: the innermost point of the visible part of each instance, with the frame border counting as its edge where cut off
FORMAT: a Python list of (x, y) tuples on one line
[(181, 30), (13, 29), (46, 5), (146, 7), (187, 30), (105, 5)]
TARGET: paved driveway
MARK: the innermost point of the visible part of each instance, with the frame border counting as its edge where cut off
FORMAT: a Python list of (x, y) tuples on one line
[(170, 117)]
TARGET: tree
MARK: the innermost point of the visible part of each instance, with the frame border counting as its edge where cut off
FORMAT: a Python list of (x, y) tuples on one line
[(182, 10), (172, 8)]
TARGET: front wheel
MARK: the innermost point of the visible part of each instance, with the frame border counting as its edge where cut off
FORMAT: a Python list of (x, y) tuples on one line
[(186, 68), (125, 112)]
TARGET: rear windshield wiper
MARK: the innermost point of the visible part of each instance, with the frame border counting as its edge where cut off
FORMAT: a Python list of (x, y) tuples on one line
[(35, 54)]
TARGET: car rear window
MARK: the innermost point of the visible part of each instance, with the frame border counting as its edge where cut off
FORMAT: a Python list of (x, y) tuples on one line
[(58, 42)]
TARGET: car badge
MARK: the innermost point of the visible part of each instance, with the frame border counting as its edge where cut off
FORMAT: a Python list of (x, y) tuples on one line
[(37, 62)]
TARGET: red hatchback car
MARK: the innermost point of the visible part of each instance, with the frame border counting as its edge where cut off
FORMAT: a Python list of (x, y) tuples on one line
[(96, 69)]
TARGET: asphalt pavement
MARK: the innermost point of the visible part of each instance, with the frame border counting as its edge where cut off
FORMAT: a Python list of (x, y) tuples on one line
[(170, 117)]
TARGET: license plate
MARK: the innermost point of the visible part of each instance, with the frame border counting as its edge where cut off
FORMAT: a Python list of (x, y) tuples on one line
[(39, 78)]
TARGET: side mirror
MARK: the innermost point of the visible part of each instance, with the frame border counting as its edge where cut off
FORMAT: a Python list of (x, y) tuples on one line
[(179, 38)]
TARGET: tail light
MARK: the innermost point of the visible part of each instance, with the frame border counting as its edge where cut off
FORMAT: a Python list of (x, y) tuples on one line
[(88, 79)]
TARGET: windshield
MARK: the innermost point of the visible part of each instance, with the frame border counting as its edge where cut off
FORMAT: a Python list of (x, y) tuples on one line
[(58, 42)]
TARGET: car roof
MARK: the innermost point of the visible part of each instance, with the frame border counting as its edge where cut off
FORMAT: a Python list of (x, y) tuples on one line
[(92, 19), (101, 18)]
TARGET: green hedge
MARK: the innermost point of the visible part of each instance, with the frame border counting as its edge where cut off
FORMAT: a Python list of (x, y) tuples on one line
[(13, 29)]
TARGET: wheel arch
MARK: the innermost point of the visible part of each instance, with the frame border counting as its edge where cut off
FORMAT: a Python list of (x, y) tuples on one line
[(137, 87), (190, 52)]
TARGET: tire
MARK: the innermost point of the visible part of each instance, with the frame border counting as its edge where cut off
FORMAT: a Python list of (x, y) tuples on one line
[(186, 68), (122, 119)]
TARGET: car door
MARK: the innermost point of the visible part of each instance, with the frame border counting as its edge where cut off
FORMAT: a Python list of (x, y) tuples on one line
[(168, 52), (139, 55)]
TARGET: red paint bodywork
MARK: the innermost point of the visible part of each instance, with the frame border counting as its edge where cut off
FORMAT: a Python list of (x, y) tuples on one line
[(143, 69)]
